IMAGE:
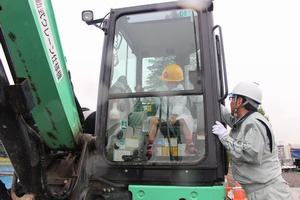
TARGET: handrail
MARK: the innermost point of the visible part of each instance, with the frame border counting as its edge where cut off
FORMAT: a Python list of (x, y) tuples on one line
[(221, 64)]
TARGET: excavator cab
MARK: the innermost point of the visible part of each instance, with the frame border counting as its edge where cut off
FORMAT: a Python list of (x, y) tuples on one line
[(139, 43)]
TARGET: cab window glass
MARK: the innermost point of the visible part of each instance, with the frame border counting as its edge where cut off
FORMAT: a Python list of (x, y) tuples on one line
[(151, 88)]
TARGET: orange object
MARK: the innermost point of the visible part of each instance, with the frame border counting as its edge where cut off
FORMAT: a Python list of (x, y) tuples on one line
[(237, 185), (239, 193), (226, 185)]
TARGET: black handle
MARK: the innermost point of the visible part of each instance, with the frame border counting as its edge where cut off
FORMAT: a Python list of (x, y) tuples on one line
[(221, 64)]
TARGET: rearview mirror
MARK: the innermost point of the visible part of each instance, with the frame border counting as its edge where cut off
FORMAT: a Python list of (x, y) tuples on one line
[(87, 15)]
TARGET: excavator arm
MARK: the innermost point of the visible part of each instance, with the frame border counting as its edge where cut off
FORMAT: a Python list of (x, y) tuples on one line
[(40, 118), (35, 50)]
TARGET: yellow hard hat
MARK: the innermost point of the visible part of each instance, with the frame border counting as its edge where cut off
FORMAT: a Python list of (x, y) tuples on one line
[(172, 73)]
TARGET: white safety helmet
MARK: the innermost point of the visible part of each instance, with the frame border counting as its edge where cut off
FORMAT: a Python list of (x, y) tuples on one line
[(250, 90)]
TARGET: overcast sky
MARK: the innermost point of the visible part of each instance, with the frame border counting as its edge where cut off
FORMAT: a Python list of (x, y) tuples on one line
[(261, 42)]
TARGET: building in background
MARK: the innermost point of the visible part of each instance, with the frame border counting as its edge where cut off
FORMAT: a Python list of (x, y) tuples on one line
[(292, 151), (289, 156), (281, 152)]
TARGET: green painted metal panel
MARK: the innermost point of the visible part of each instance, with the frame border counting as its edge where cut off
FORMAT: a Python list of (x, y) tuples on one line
[(34, 43), (147, 192)]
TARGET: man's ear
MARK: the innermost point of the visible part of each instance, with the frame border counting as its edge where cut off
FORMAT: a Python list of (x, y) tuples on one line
[(239, 101)]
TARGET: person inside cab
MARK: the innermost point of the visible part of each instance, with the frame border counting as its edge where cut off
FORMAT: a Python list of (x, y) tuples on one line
[(120, 86), (172, 75)]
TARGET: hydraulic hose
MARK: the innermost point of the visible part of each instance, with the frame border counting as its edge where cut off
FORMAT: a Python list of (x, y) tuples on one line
[(47, 190)]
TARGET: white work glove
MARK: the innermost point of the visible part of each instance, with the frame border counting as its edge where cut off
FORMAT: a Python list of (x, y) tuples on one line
[(219, 130)]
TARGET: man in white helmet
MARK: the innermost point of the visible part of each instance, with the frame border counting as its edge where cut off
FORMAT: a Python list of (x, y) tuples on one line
[(255, 163)]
